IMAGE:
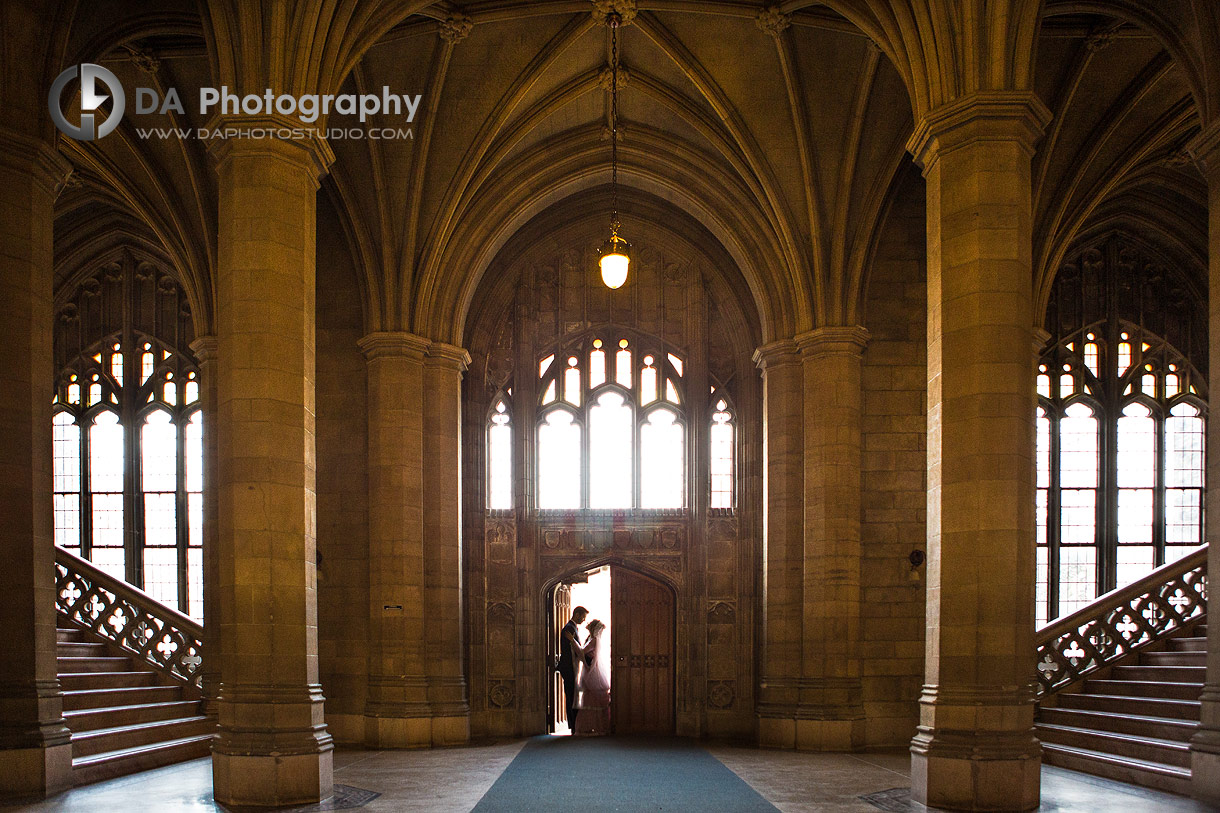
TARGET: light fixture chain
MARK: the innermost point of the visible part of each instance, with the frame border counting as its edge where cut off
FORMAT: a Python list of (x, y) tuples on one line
[(614, 125)]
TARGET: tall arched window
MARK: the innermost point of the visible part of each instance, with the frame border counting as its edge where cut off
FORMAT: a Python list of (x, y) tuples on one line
[(128, 437), (722, 456), (612, 428), (1120, 426)]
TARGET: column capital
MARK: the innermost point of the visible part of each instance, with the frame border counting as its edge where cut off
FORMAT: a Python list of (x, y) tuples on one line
[(22, 153), (449, 355), (1205, 149), (385, 343), (777, 354), (984, 116), (283, 137), (205, 348), (833, 341)]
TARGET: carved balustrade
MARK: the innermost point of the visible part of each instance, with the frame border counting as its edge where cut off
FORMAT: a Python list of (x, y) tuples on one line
[(111, 608), (1122, 621)]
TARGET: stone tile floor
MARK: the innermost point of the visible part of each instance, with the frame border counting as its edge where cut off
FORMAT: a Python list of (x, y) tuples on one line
[(454, 779)]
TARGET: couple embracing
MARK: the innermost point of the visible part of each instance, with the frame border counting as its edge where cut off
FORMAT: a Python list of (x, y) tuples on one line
[(585, 667)]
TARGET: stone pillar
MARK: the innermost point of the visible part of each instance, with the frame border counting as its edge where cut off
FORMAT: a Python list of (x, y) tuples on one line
[(397, 714), (35, 752), (976, 749), (831, 713), (443, 369), (204, 349), (783, 543), (1205, 744), (272, 747)]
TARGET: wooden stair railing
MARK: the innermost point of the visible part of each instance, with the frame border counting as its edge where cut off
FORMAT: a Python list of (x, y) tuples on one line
[(1122, 622), (167, 640)]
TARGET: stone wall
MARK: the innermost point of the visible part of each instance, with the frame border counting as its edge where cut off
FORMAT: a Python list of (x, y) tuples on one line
[(894, 503), (342, 436)]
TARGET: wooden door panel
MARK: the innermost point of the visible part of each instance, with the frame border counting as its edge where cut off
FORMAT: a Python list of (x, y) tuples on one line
[(561, 608), (642, 643)]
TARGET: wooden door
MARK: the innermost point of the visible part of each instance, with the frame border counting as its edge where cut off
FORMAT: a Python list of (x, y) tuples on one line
[(642, 646), (561, 611)]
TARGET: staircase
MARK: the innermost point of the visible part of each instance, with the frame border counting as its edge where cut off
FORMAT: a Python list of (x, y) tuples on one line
[(1133, 724), (124, 717), (1119, 680), (130, 669)]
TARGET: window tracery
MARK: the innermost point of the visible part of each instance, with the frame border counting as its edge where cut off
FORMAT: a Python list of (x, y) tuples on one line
[(128, 439), (1120, 425), (617, 404)]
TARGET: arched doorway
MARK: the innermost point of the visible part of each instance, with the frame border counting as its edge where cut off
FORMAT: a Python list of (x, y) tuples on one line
[(639, 611), (613, 427)]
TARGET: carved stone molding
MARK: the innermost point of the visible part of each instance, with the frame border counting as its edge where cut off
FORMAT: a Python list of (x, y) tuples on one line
[(625, 9), (455, 28), (773, 21), (501, 694), (721, 693), (605, 78), (501, 541), (722, 612), (501, 613)]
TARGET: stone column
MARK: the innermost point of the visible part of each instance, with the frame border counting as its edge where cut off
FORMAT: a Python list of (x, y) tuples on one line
[(1205, 744), (272, 747), (204, 349), (35, 752), (831, 713), (443, 369), (397, 714), (783, 543), (976, 749)]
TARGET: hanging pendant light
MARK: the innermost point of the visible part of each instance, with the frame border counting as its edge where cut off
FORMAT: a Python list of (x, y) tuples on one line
[(615, 254)]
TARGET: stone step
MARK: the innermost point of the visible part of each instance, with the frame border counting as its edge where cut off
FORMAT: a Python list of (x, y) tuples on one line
[(1188, 644), (88, 743), (91, 663), (1164, 728), (1170, 778), (1120, 704), (1145, 688), (120, 696), (63, 634), (92, 719), (71, 681), (1161, 674), (109, 764), (81, 649), (1179, 658), (1149, 749)]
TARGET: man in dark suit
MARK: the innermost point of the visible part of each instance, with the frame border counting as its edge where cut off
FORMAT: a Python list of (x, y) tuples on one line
[(569, 657)]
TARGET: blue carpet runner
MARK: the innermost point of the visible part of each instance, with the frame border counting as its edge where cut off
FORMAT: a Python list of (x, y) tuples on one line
[(577, 774)]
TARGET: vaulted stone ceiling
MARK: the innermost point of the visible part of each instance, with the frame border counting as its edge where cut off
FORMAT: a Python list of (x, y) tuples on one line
[(783, 134)]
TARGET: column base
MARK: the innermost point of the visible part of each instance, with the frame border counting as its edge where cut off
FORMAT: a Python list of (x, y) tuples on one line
[(970, 771), (1205, 766), (270, 781), (38, 771)]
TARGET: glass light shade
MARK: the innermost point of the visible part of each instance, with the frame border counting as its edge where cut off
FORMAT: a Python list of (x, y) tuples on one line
[(614, 261)]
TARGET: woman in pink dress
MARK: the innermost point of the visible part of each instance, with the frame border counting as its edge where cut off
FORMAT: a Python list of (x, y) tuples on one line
[(594, 717)]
